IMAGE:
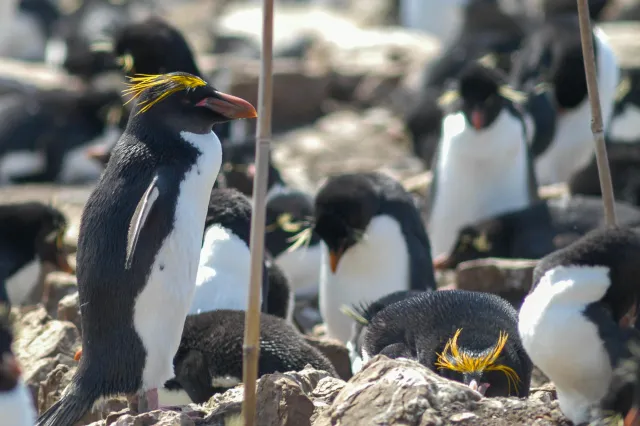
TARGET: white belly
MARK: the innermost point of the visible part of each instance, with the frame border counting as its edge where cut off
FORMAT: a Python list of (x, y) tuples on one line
[(302, 267), (21, 163), (162, 306), (16, 407)]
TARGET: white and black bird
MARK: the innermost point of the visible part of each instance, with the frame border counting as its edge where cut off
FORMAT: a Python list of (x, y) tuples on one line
[(16, 403), (225, 261), (140, 239), (579, 317), (482, 167), (374, 244)]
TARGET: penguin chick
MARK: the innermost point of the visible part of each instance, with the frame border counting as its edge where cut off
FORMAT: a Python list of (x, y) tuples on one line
[(362, 316), (224, 271), (209, 359), (466, 336), (16, 403), (31, 234), (482, 167), (140, 238), (295, 247), (375, 244), (585, 297)]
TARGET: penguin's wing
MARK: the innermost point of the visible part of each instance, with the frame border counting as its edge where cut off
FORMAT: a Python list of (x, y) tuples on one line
[(139, 218)]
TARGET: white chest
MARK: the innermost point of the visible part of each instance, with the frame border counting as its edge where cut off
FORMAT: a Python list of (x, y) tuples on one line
[(373, 268), (625, 127), (16, 407), (480, 174), (162, 306), (302, 267), (223, 273)]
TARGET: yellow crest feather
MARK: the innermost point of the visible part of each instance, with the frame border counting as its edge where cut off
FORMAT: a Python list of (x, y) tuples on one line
[(161, 85), (448, 98), (490, 60), (351, 313), (511, 94), (463, 363), (481, 243), (624, 87)]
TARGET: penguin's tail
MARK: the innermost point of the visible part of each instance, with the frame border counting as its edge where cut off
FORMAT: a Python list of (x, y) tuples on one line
[(76, 401)]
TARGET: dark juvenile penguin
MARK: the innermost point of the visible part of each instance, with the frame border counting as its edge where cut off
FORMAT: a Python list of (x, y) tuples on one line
[(466, 336), (224, 269), (374, 244), (362, 315), (296, 249), (576, 322), (552, 53), (482, 167), (140, 239), (16, 402), (31, 234), (535, 231), (209, 359)]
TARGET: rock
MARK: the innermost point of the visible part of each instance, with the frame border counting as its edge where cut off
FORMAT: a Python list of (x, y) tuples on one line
[(58, 285), (508, 278), (69, 309), (336, 352), (404, 392)]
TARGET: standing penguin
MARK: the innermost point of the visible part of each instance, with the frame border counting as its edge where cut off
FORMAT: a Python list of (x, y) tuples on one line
[(470, 337), (576, 322), (375, 244), (223, 273), (16, 402), (482, 167), (140, 240)]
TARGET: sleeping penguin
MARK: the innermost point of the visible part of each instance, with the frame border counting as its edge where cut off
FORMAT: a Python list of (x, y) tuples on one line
[(31, 234), (140, 239), (362, 315), (482, 167), (552, 54), (584, 297), (296, 248), (16, 402), (469, 337), (223, 273), (209, 359), (375, 244)]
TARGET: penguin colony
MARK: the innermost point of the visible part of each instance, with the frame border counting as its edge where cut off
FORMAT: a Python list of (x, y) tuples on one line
[(163, 248)]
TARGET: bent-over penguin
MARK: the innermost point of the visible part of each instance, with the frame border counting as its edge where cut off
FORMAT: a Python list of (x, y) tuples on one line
[(374, 244), (223, 273), (31, 234), (482, 167), (470, 337), (16, 402), (140, 238), (362, 315), (578, 318), (209, 359)]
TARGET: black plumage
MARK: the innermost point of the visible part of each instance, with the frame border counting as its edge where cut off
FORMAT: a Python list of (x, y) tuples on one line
[(419, 328), (211, 348), (28, 230)]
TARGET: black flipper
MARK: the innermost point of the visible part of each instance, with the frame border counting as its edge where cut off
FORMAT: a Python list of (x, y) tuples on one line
[(139, 218)]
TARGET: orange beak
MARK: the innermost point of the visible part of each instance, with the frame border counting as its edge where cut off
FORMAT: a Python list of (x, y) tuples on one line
[(78, 355), (334, 259), (229, 106), (632, 418), (442, 262)]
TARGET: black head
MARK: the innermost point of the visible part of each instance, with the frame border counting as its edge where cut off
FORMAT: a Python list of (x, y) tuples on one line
[(238, 167), (184, 102), (230, 209), (37, 229), (288, 215), (9, 369), (480, 95), (343, 209), (153, 46)]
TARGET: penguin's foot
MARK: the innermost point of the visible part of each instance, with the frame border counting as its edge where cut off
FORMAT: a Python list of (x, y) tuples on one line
[(480, 388)]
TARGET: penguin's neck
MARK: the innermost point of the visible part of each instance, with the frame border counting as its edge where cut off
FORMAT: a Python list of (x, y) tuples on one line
[(480, 174), (223, 272), (372, 268)]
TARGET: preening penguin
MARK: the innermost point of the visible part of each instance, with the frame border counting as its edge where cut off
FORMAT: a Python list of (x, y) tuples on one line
[(362, 315), (209, 360), (584, 296), (466, 336), (482, 167), (223, 273), (31, 234), (16, 403), (140, 239), (375, 244)]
